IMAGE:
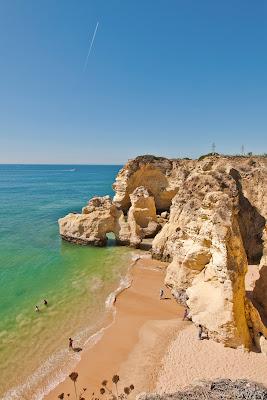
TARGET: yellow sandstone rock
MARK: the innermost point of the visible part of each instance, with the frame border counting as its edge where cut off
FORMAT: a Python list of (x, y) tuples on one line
[(213, 215)]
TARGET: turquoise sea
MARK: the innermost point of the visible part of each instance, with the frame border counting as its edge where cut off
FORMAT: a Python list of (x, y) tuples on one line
[(35, 265)]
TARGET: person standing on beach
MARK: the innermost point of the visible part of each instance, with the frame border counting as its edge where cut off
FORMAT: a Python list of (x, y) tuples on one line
[(186, 316), (45, 302), (161, 294), (37, 309), (70, 343), (200, 331)]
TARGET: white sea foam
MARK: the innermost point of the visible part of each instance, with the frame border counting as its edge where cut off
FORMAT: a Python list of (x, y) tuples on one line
[(37, 381), (124, 284), (55, 369)]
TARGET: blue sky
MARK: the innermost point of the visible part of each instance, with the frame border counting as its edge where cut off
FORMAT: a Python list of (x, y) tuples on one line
[(164, 77)]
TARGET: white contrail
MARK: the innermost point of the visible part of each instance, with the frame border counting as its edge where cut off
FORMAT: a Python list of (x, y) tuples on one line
[(91, 45)]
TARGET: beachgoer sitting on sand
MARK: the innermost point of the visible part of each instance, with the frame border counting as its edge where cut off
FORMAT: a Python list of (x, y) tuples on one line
[(261, 342), (45, 302), (37, 309), (70, 343), (161, 294)]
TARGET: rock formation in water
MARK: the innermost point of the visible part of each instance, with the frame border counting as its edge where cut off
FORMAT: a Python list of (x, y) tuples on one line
[(99, 217), (208, 219), (102, 216)]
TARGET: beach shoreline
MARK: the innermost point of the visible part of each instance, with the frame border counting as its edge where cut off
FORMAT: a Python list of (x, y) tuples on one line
[(150, 346), (140, 320)]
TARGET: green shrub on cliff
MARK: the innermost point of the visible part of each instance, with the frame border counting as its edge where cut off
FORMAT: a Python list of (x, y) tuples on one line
[(207, 155)]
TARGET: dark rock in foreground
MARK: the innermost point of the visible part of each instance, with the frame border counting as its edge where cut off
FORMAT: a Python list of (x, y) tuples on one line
[(220, 389)]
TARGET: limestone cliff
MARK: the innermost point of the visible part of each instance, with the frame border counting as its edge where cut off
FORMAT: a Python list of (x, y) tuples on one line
[(208, 219), (101, 216), (142, 217), (215, 228), (159, 175)]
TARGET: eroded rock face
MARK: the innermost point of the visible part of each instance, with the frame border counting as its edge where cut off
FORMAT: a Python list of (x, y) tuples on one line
[(216, 390), (213, 217), (159, 175), (216, 224), (142, 217), (202, 239), (98, 218), (102, 216)]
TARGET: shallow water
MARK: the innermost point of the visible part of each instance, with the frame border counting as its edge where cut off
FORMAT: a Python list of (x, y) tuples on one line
[(35, 264)]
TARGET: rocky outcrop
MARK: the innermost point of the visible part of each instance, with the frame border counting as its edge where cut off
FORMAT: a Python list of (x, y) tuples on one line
[(216, 390), (98, 218), (215, 227), (101, 216), (203, 240), (208, 219), (142, 217), (159, 175)]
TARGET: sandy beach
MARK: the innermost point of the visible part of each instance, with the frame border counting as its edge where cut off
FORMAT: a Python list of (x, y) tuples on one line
[(143, 325), (188, 360), (149, 345)]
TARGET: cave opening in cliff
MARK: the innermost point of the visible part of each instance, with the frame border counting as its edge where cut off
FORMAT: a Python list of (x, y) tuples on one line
[(251, 225), (111, 240)]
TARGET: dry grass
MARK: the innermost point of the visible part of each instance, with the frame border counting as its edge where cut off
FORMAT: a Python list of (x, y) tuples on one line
[(106, 391)]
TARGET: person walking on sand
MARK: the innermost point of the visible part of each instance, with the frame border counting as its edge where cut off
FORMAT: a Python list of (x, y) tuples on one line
[(37, 309), (70, 343), (161, 294), (45, 302)]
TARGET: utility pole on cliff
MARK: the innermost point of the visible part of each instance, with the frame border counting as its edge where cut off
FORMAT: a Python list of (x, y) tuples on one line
[(242, 150), (213, 148)]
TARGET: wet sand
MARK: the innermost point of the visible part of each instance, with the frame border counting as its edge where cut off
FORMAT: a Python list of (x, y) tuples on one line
[(134, 344)]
